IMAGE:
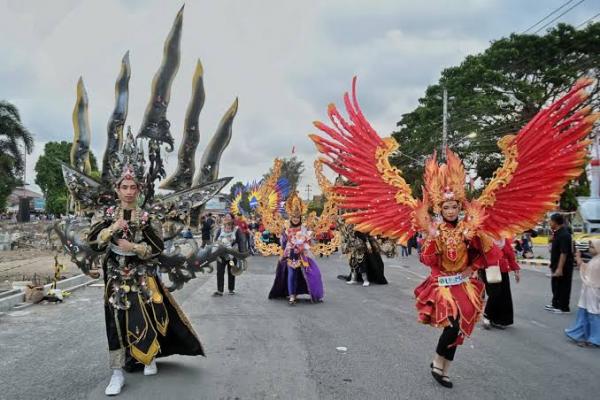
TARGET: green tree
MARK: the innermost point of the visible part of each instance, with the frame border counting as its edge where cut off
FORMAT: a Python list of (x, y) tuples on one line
[(13, 135), (291, 169), (48, 175), (316, 204), (8, 182), (495, 93), (579, 187)]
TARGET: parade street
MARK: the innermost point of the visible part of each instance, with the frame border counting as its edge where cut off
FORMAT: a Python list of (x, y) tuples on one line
[(264, 349)]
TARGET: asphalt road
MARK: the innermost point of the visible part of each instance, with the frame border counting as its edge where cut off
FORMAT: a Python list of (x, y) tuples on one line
[(262, 349)]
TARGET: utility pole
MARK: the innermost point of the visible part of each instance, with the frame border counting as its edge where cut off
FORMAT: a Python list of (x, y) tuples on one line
[(308, 192), (444, 123)]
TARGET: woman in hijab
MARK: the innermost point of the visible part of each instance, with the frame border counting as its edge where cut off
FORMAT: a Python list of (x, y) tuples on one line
[(585, 331)]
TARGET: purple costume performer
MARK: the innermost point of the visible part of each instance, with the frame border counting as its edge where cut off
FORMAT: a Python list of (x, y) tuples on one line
[(297, 273)]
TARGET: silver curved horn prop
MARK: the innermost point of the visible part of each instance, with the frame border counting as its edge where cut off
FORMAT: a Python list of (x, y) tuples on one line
[(72, 235), (209, 164), (114, 140), (155, 124), (80, 150), (184, 174), (181, 268)]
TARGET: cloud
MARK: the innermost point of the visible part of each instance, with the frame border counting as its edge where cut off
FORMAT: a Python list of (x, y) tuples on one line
[(284, 60)]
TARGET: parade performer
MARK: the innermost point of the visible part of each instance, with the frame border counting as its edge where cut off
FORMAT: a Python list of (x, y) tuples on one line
[(273, 211), (143, 321), (545, 155), (135, 233), (364, 257), (499, 307), (230, 236), (297, 271)]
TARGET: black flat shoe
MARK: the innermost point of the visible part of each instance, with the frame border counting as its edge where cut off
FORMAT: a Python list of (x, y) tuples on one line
[(447, 382), (498, 326), (439, 378)]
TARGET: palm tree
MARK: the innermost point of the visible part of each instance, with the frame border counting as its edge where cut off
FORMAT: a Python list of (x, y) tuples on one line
[(12, 134)]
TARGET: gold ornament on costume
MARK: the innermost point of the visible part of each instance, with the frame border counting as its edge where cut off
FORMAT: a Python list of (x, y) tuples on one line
[(294, 206), (271, 249), (444, 182), (271, 218), (393, 175), (328, 217), (504, 174)]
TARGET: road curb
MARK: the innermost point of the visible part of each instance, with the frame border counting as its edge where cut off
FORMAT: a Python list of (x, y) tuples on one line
[(534, 261), (17, 301)]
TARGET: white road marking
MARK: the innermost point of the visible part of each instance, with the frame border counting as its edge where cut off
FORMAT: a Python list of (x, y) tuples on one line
[(534, 322)]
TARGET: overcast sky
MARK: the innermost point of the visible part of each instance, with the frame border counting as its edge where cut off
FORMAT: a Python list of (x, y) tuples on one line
[(285, 60)]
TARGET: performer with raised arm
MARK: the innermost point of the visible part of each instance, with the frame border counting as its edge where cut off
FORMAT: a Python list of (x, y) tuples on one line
[(545, 155)]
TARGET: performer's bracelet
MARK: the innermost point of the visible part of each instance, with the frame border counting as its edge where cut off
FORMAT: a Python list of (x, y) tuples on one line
[(142, 250), (105, 235)]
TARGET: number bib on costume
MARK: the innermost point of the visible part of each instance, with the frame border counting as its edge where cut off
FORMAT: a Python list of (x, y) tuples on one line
[(450, 280)]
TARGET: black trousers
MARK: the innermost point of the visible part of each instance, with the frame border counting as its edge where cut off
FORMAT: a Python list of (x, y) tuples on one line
[(561, 289), (447, 338), (221, 265)]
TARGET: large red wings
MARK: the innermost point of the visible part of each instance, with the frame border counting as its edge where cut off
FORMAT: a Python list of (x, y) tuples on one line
[(546, 154), (378, 199)]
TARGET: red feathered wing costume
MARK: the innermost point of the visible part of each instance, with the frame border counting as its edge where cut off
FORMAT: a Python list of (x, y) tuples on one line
[(544, 156)]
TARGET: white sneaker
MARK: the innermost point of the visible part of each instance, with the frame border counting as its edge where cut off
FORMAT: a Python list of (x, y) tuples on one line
[(117, 381), (366, 283), (486, 323), (151, 369)]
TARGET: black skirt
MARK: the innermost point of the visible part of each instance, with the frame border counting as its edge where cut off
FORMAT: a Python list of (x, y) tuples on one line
[(373, 266), (499, 307)]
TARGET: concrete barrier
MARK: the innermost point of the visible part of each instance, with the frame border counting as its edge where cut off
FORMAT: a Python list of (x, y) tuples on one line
[(9, 302)]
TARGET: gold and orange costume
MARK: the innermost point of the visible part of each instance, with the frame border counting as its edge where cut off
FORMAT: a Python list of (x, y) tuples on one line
[(544, 156), (269, 210)]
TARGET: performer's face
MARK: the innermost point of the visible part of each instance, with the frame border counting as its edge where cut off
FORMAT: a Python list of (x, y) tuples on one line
[(450, 210), (295, 220), (128, 191)]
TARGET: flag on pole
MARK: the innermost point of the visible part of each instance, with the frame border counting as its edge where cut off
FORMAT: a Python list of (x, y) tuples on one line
[(293, 149)]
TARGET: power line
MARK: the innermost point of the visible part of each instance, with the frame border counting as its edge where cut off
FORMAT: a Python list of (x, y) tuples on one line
[(407, 156), (493, 133), (587, 20), (565, 12), (453, 127), (547, 16), (521, 61), (524, 59), (490, 136)]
